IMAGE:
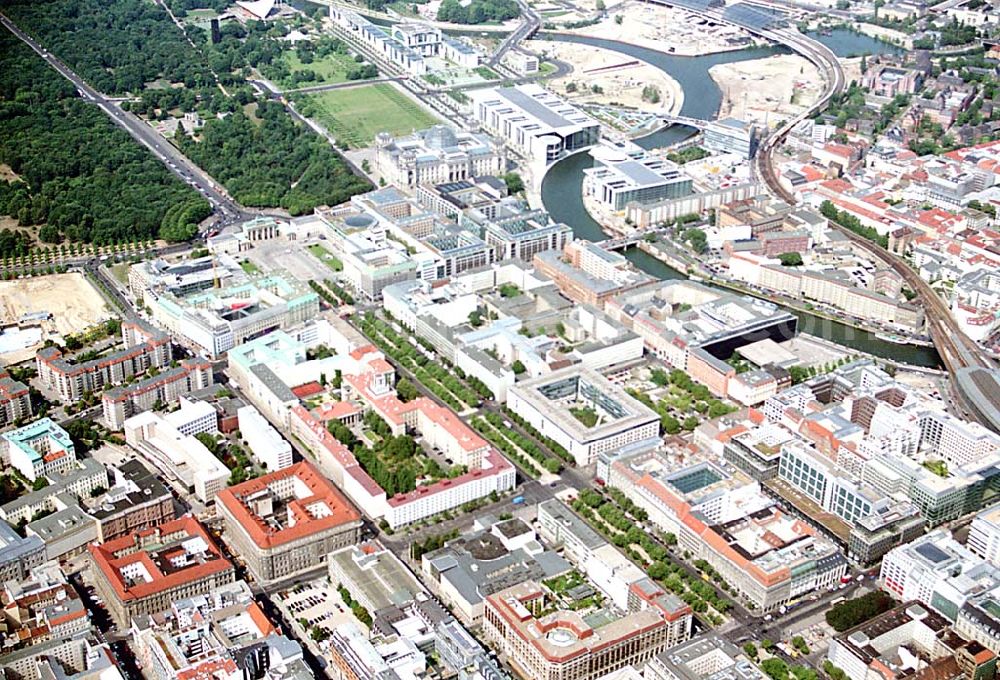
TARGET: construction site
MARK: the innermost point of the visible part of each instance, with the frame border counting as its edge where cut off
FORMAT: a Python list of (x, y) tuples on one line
[(34, 310)]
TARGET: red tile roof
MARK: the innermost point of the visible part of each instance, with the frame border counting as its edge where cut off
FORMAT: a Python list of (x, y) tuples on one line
[(114, 556), (307, 390), (322, 491)]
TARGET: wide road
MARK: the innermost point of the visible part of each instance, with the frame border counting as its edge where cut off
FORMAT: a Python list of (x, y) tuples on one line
[(531, 22), (228, 210)]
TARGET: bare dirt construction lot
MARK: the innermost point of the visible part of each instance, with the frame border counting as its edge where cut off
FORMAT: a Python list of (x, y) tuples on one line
[(768, 89), (668, 29), (73, 303), (621, 79)]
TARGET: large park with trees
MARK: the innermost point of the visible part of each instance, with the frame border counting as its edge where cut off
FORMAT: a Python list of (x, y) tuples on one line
[(74, 174)]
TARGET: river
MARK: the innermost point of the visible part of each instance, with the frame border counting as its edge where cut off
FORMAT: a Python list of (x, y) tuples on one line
[(562, 188), (846, 42)]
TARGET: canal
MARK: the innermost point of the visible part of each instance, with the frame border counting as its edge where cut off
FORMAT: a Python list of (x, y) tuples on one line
[(562, 187)]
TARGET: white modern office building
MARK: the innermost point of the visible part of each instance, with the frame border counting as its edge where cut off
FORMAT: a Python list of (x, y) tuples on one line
[(39, 449), (618, 179), (534, 122), (730, 135), (583, 412), (214, 321), (984, 535), (181, 457), (937, 570)]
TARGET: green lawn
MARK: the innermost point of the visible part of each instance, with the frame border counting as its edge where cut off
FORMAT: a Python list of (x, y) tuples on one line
[(330, 69), (561, 584), (585, 415), (326, 257), (249, 267), (120, 272), (404, 8), (938, 467), (546, 68), (355, 115), (486, 73)]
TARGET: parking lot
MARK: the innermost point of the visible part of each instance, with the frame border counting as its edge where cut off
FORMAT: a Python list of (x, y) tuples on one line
[(317, 603)]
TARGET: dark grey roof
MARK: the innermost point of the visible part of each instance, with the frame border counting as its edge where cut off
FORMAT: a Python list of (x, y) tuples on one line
[(533, 107), (273, 382), (932, 553)]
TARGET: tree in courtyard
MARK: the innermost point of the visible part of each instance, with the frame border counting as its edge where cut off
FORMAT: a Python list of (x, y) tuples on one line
[(514, 182), (790, 259), (405, 390)]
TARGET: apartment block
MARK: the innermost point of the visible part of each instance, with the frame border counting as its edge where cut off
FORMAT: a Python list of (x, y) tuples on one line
[(166, 387), (145, 347), (15, 400)]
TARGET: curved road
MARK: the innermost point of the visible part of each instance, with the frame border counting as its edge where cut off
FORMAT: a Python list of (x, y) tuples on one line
[(957, 350)]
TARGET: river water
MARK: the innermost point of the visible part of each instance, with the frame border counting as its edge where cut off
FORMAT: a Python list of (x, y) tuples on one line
[(562, 188), (848, 43)]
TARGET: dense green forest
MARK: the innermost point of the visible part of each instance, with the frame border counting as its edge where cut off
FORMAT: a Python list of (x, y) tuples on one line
[(116, 46), (82, 176), (180, 8), (264, 159), (478, 11), (260, 162)]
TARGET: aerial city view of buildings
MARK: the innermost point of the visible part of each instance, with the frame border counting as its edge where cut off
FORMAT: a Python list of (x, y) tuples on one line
[(496, 339)]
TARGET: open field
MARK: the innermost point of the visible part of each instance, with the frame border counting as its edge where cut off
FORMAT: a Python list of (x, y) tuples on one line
[(120, 272), (330, 69), (783, 84), (605, 77), (326, 257), (355, 115)]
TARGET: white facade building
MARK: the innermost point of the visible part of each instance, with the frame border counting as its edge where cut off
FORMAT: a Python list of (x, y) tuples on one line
[(619, 419), (496, 475), (193, 417), (268, 447), (956, 441), (533, 121), (438, 155), (936, 569), (984, 535), (181, 457)]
